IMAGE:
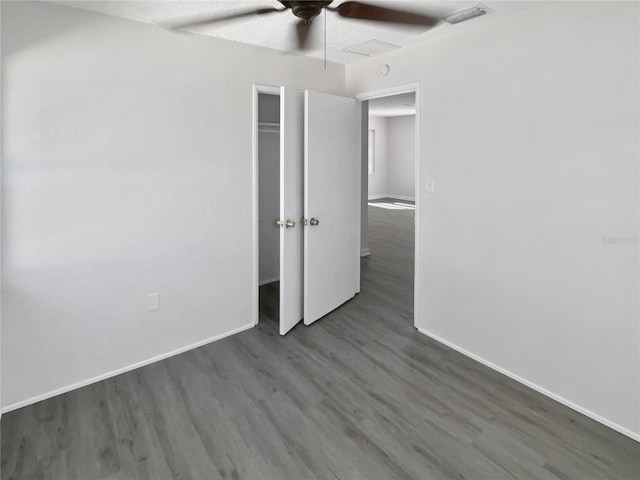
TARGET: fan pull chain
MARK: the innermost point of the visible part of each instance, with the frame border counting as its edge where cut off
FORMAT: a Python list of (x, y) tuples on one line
[(325, 39)]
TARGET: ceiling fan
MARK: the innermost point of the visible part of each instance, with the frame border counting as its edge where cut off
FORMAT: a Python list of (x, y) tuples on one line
[(307, 10)]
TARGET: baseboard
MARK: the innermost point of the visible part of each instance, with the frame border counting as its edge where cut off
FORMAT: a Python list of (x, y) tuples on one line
[(401, 197), (395, 197), (269, 280), (365, 252), (99, 378), (618, 428)]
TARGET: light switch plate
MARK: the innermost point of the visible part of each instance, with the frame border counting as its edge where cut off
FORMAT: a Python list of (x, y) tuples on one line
[(430, 185)]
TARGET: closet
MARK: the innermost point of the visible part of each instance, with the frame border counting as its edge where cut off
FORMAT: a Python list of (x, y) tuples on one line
[(307, 203), (269, 202)]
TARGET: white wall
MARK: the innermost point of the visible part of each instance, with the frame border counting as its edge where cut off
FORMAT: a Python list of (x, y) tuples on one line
[(269, 188), (364, 185), (127, 169), (401, 132), (530, 128), (1, 142), (269, 204), (394, 174), (268, 108), (378, 181)]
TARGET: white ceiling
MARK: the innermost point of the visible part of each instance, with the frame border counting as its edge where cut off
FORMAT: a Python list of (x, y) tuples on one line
[(277, 30), (393, 106)]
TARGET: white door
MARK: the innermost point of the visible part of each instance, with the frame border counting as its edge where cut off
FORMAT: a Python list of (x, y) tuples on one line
[(332, 184), (291, 209)]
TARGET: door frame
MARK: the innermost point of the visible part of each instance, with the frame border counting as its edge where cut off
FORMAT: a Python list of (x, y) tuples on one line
[(387, 92), (255, 179)]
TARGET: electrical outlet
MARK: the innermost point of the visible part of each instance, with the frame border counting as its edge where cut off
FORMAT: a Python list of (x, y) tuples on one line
[(153, 302)]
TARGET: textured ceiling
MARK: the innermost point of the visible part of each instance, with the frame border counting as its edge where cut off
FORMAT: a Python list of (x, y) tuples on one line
[(277, 30)]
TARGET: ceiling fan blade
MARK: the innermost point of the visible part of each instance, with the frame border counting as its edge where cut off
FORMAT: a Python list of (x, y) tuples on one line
[(213, 20), (304, 31), (365, 11)]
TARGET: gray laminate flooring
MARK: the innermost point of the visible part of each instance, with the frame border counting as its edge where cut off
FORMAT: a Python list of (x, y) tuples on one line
[(358, 395)]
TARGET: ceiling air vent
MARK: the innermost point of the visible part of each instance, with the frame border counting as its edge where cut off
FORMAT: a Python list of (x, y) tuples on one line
[(467, 14), (371, 48)]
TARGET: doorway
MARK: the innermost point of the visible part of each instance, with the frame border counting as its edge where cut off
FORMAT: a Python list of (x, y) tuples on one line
[(268, 160), (391, 179)]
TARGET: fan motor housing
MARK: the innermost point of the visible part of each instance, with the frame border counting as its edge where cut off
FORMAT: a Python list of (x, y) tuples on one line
[(305, 10)]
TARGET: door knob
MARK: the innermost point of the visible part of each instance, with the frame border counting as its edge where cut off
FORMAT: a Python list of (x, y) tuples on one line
[(279, 222), (290, 223), (314, 221)]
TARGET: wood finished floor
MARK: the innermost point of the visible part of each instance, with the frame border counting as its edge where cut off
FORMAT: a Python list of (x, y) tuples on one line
[(358, 395)]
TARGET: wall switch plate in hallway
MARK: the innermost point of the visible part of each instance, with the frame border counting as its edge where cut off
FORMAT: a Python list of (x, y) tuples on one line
[(430, 185), (152, 302)]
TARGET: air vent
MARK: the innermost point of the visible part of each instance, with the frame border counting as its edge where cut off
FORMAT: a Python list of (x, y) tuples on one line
[(467, 14), (371, 48)]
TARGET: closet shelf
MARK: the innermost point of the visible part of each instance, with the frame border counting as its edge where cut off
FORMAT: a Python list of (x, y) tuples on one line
[(268, 126)]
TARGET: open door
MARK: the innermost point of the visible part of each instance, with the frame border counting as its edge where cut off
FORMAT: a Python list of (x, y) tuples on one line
[(291, 207), (332, 184)]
